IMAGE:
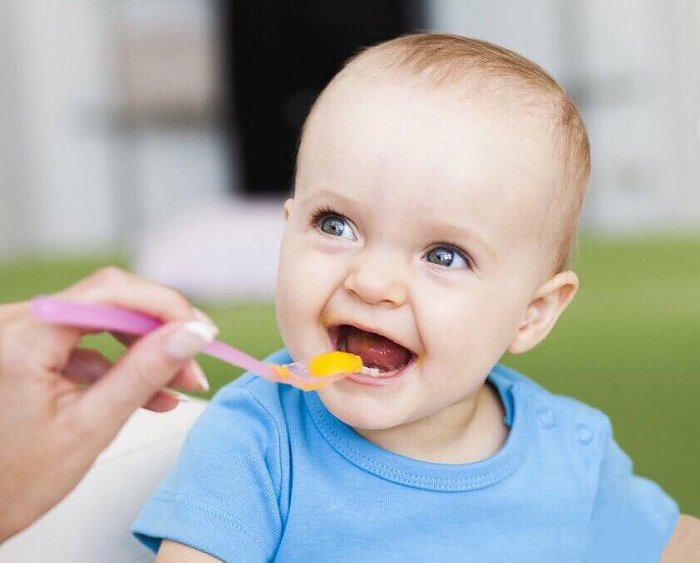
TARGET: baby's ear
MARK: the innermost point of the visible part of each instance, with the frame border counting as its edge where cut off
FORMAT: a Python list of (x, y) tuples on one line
[(288, 207), (548, 302)]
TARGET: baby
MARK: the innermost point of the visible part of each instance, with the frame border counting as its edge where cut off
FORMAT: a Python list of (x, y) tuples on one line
[(438, 187)]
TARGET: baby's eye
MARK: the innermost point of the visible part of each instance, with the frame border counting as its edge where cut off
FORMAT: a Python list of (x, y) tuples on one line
[(336, 226), (447, 257)]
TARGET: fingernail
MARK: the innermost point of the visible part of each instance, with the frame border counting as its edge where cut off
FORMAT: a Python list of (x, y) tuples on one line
[(201, 316), (189, 339), (181, 397), (201, 378)]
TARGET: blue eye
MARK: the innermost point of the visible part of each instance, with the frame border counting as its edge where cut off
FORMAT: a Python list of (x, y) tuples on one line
[(447, 257), (336, 226)]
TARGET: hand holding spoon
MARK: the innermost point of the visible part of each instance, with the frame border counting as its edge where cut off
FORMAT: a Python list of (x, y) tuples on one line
[(320, 371)]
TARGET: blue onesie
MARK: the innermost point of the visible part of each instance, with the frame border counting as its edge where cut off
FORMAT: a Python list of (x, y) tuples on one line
[(267, 473)]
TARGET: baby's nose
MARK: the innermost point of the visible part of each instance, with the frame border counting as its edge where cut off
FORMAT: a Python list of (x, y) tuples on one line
[(377, 277)]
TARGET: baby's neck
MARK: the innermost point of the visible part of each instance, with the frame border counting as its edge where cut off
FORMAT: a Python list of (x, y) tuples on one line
[(466, 432)]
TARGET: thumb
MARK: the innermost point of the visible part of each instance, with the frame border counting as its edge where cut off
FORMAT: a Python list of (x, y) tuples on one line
[(146, 368)]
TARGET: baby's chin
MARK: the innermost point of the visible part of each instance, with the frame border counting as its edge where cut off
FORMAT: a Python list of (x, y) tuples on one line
[(360, 413)]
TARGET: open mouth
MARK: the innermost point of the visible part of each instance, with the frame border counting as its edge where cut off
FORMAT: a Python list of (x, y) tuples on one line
[(382, 358)]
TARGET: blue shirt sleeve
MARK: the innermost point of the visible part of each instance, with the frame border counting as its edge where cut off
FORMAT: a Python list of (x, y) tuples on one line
[(222, 496), (633, 518)]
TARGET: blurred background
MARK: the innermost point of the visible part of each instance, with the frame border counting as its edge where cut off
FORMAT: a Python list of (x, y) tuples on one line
[(159, 135)]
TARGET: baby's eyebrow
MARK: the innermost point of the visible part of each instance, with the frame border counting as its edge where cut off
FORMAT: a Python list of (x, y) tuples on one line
[(460, 233), (329, 195)]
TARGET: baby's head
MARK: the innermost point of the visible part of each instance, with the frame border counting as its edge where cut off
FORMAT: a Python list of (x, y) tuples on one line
[(438, 188)]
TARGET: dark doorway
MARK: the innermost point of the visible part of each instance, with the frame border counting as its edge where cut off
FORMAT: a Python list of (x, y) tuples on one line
[(277, 58)]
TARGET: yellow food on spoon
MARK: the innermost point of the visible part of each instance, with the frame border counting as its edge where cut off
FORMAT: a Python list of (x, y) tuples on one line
[(331, 363)]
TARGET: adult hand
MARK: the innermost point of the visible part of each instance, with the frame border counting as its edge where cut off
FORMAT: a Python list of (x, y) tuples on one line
[(52, 427)]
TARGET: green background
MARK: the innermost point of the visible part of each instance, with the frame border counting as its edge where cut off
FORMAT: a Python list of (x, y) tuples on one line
[(628, 345)]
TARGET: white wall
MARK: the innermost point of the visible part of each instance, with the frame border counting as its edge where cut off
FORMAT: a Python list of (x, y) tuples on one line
[(633, 67), (175, 170), (173, 157), (72, 177), (641, 116), (61, 83), (8, 234)]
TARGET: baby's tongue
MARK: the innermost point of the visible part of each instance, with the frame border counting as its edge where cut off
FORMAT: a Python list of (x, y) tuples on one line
[(375, 350)]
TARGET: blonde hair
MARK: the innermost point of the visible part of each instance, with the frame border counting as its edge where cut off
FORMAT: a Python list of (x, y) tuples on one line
[(447, 60)]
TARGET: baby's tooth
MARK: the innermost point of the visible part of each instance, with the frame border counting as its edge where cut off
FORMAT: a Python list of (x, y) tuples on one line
[(374, 372)]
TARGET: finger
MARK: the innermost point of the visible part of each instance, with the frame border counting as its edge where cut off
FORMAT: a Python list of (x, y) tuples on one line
[(189, 378), (12, 311), (28, 346), (115, 286), (164, 401), (85, 366), (125, 339), (145, 369)]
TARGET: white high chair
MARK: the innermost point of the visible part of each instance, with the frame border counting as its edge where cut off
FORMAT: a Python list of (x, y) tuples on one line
[(92, 523)]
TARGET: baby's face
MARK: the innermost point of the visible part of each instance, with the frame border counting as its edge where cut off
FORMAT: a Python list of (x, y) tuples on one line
[(416, 217)]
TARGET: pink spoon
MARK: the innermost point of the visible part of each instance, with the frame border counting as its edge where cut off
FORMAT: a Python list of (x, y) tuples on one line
[(111, 318)]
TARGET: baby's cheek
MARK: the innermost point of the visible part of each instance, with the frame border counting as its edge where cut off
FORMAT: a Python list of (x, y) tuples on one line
[(465, 329), (300, 297), (291, 298)]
